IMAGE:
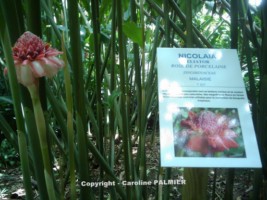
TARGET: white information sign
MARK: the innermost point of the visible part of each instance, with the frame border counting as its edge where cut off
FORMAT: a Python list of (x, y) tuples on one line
[(205, 119)]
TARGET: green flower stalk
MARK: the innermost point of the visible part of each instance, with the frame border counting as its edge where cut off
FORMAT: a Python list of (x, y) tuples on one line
[(34, 59), (41, 128)]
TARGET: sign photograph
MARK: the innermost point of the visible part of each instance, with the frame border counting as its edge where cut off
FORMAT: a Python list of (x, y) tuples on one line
[(205, 118)]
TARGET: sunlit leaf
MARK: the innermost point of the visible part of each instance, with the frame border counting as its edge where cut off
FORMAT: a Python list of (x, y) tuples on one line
[(132, 31)]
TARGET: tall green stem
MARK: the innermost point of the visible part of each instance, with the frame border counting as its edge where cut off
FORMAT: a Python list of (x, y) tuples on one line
[(196, 184), (79, 96), (167, 23), (142, 106), (197, 179), (138, 83), (234, 45), (70, 129), (189, 25), (125, 128), (5, 39), (41, 128), (262, 126), (167, 44), (100, 134)]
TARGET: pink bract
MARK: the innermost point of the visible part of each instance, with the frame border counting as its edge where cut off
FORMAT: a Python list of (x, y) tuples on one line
[(34, 59)]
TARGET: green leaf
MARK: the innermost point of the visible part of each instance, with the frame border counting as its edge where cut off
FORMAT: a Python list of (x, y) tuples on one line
[(111, 99), (132, 31), (6, 99)]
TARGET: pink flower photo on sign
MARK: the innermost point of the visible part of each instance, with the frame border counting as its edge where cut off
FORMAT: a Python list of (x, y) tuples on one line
[(208, 132)]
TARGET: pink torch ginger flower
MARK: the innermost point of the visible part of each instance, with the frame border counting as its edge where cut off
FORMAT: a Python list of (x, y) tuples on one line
[(34, 59), (208, 132)]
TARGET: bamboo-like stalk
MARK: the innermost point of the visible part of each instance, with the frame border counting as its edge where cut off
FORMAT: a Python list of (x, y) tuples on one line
[(125, 128), (196, 184), (141, 107), (189, 26), (15, 22), (258, 185), (76, 52), (234, 45), (213, 194), (152, 79), (263, 58), (257, 114), (79, 96), (159, 188), (112, 86), (252, 85), (138, 82), (112, 126), (196, 178), (167, 23), (70, 130), (230, 175), (234, 24), (259, 174), (254, 39), (166, 189), (168, 171), (17, 106), (33, 16), (137, 68), (97, 62), (153, 75)]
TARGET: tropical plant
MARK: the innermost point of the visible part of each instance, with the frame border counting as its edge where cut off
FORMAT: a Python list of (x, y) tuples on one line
[(103, 104)]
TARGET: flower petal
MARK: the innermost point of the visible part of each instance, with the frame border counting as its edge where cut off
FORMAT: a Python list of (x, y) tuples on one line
[(37, 69), (25, 75), (223, 142), (52, 52), (199, 144), (54, 61), (217, 143)]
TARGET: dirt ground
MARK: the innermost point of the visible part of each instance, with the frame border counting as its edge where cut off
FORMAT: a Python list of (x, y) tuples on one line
[(11, 182)]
